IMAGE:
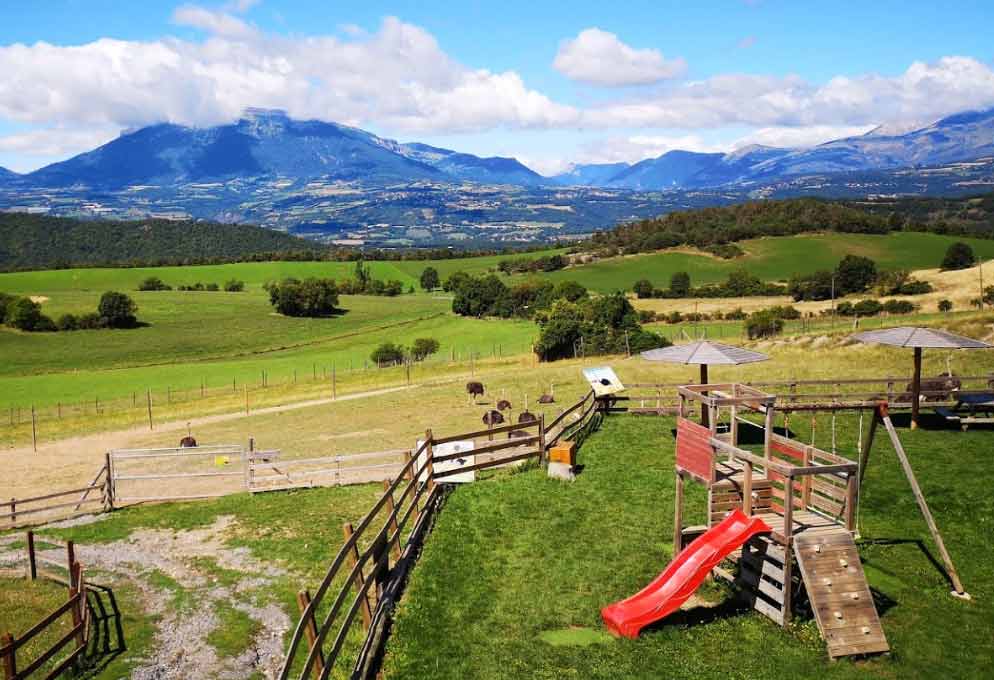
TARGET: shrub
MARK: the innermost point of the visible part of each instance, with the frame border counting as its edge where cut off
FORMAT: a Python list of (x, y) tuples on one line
[(680, 284), (212, 287), (311, 297), (24, 314), (898, 307), (5, 301), (785, 312), (674, 317), (429, 279), (424, 348), (959, 255), (869, 307), (643, 289), (854, 274), (387, 353), (117, 310), (945, 306), (234, 286), (68, 322), (736, 314), (569, 290), (154, 283), (646, 316), (91, 321), (763, 324)]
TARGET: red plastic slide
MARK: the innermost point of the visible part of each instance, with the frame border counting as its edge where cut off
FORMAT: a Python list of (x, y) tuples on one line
[(683, 576)]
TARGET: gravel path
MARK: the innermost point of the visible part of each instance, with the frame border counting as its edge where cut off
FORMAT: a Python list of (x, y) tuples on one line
[(181, 649)]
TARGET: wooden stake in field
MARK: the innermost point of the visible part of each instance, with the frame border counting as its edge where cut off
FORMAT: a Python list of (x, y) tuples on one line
[(334, 383), (246, 400), (34, 429), (148, 401)]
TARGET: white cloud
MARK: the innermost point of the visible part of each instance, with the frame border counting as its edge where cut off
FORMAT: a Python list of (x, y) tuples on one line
[(397, 78), (55, 141), (923, 91), (600, 58), (216, 23), (788, 137)]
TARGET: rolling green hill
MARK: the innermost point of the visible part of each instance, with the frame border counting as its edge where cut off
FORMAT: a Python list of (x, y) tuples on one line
[(772, 259)]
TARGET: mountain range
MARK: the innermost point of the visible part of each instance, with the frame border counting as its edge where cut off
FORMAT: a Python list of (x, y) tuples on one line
[(268, 143), (341, 184), (961, 137)]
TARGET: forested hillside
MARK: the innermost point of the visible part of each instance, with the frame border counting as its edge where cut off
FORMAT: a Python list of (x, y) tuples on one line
[(714, 228), (42, 242)]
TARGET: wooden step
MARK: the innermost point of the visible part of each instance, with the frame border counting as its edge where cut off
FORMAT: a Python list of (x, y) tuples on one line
[(839, 594)]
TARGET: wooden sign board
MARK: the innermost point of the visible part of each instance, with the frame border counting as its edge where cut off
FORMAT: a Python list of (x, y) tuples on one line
[(446, 449), (603, 380)]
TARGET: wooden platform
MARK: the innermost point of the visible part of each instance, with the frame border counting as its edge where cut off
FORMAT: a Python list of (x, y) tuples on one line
[(804, 522), (840, 597)]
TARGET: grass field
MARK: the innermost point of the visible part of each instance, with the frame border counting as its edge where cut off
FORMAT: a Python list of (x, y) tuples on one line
[(771, 259), (512, 579)]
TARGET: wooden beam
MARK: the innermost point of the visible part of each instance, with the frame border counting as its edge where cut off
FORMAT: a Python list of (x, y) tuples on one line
[(923, 506)]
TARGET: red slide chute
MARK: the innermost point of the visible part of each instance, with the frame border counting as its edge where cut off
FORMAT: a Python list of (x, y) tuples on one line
[(683, 576)]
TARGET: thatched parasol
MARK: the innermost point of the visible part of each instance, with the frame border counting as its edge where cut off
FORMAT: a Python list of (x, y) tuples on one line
[(918, 338)]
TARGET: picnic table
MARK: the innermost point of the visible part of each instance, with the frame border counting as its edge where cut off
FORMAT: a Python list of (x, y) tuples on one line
[(975, 408)]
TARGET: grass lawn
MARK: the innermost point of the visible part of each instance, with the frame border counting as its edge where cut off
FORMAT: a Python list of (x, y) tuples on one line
[(771, 259), (513, 577), (24, 603)]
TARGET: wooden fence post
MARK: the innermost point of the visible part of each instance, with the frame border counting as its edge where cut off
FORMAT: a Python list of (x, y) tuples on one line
[(360, 580), (246, 399), (108, 483), (393, 522), (77, 591), (34, 429), (70, 557), (311, 633), (148, 400), (334, 383), (430, 458), (9, 662), (541, 438), (13, 511), (32, 560)]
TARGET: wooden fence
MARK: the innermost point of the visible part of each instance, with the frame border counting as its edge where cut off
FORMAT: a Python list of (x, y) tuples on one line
[(71, 644), (97, 496), (800, 395), (367, 575)]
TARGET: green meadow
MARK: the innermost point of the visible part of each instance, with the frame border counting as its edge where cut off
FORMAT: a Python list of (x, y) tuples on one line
[(772, 259)]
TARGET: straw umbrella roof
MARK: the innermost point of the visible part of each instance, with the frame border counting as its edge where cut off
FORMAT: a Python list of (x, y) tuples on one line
[(704, 352), (910, 336)]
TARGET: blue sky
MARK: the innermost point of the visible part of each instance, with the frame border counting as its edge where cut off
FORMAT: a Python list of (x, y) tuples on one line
[(548, 82)]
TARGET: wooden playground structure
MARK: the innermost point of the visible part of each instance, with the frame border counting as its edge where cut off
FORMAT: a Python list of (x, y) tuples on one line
[(806, 495)]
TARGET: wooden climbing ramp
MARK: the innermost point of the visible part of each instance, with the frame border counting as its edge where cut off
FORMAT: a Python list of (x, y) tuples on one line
[(839, 595)]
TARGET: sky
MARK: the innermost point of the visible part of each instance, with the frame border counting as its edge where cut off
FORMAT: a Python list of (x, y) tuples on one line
[(550, 83)]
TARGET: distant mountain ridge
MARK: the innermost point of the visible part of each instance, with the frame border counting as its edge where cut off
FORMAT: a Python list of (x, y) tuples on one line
[(961, 137), (268, 143)]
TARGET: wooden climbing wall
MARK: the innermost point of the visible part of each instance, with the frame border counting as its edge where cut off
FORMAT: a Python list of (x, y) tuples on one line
[(839, 595)]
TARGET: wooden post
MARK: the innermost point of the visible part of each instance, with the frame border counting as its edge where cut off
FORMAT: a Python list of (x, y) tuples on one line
[(9, 661), (747, 489), (806, 480), (922, 505), (393, 522), (203, 386), (148, 401), (788, 555), (541, 438), (360, 580), (13, 510), (108, 483), (34, 429), (249, 472), (409, 466), (430, 460), (32, 563), (852, 494), (768, 432), (704, 407), (246, 399), (678, 515), (70, 556), (78, 591), (311, 633), (407, 366), (334, 383), (916, 388)]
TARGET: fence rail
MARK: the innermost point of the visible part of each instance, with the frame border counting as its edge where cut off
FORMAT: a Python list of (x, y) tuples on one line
[(96, 496), (76, 607)]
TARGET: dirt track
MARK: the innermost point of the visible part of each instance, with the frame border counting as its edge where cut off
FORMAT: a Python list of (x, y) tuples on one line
[(73, 462)]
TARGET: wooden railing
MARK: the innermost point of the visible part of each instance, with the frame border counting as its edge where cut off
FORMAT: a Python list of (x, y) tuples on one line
[(15, 666), (804, 394), (368, 572), (97, 496)]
